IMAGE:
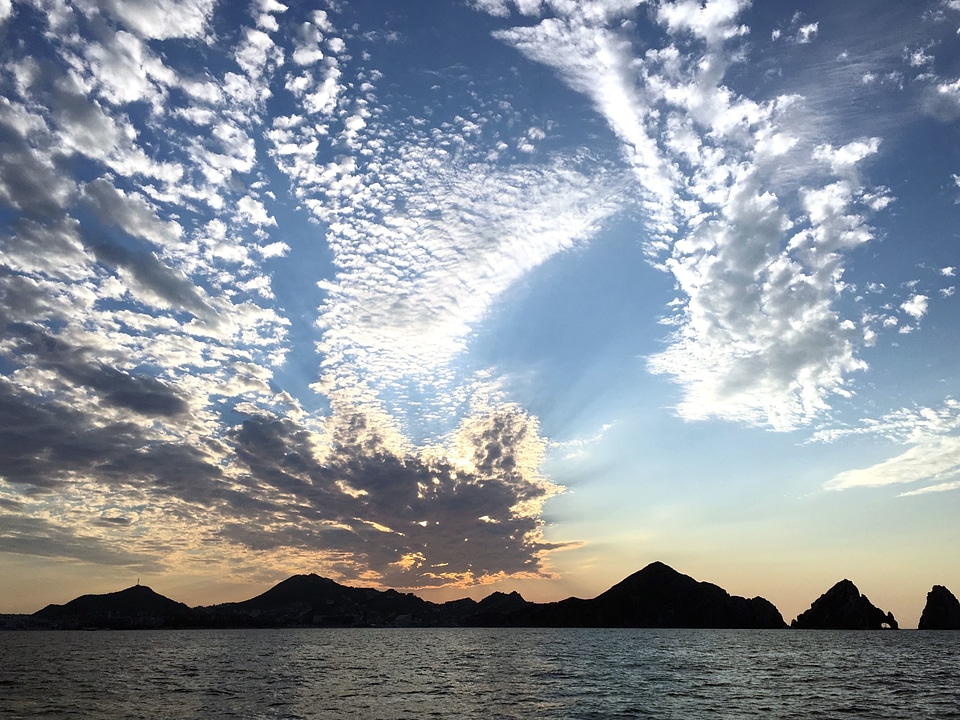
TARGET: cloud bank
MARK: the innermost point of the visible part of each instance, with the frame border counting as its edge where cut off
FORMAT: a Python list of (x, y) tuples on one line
[(145, 337)]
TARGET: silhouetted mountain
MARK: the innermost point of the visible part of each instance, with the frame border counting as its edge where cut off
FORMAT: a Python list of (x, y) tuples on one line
[(135, 607), (842, 607), (942, 611), (314, 600), (493, 611), (657, 596)]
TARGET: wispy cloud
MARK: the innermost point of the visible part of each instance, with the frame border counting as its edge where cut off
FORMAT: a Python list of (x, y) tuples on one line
[(932, 439), (758, 337)]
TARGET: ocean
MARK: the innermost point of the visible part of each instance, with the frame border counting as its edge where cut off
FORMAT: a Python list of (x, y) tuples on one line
[(480, 673)]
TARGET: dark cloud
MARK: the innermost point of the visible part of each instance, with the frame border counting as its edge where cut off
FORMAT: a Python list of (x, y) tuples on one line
[(152, 276), (33, 180), (130, 212), (417, 522), (36, 536), (142, 394), (25, 299), (45, 444), (52, 248)]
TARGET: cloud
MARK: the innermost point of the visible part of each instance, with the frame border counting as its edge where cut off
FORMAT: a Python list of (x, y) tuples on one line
[(54, 250), (466, 513), (46, 444), (844, 160), (153, 352), (144, 395), (940, 487), (140, 321), (39, 537), (758, 259), (806, 33), (466, 234), (154, 282), (417, 519), (929, 459), (132, 213), (162, 19), (711, 21), (32, 178), (427, 230), (932, 454), (915, 306)]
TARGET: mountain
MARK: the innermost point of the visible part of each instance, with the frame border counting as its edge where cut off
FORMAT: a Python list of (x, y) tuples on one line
[(314, 600), (942, 611), (842, 607), (657, 596), (135, 607)]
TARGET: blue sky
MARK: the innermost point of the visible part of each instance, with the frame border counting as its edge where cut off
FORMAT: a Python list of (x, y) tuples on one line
[(491, 294)]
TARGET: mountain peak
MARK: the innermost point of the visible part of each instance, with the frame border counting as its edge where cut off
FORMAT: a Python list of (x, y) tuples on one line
[(842, 607)]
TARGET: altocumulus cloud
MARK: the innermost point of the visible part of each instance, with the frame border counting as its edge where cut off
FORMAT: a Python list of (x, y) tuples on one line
[(142, 333)]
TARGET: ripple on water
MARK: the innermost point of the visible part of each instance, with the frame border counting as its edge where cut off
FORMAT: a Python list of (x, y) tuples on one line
[(480, 673)]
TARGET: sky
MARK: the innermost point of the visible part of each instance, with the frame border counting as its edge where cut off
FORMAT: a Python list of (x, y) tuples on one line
[(474, 295)]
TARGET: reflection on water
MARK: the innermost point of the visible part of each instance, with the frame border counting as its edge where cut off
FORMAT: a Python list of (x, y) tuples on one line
[(480, 673)]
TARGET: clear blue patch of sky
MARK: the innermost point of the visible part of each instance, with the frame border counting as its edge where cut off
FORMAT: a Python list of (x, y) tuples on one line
[(571, 337), (294, 278)]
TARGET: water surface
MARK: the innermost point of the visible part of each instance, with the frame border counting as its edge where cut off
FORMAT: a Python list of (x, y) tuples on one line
[(480, 673)]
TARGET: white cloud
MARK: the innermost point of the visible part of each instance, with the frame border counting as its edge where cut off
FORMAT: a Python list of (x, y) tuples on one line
[(254, 212), (758, 337), (713, 21), (498, 8), (843, 160), (258, 53), (932, 458), (126, 70), (948, 271), (415, 284), (918, 57), (163, 19), (940, 487), (932, 437), (915, 306), (806, 33)]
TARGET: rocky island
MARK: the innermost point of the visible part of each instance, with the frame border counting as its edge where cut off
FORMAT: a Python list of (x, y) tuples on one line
[(942, 611), (842, 607)]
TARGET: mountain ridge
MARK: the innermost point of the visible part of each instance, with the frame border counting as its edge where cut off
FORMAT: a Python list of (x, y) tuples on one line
[(655, 596)]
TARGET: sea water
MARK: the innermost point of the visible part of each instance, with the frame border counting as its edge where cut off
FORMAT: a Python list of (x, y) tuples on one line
[(480, 673)]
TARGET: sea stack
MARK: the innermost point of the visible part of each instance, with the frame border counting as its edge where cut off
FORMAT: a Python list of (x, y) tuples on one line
[(842, 607), (942, 611)]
